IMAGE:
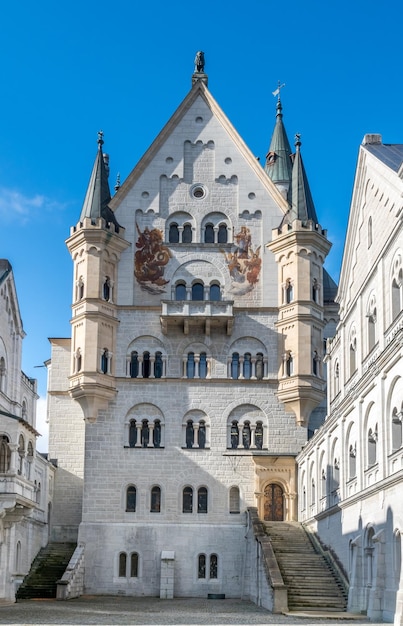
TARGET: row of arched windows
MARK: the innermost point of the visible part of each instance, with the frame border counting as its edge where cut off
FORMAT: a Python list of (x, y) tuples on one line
[(25, 456), (129, 566), (106, 289), (197, 291), (193, 500), (184, 233), (289, 295)]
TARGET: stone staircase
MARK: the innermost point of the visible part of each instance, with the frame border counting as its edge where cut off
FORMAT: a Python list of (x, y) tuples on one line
[(48, 567), (311, 583)]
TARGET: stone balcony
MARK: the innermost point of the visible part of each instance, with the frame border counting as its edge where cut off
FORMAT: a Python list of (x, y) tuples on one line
[(204, 315)]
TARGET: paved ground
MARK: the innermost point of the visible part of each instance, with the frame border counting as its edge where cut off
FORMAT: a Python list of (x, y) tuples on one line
[(112, 611)]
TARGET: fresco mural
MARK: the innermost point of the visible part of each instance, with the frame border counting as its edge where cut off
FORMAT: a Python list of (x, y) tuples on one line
[(244, 264), (150, 260)]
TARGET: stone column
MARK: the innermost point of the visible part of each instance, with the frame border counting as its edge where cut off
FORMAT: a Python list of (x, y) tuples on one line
[(167, 574)]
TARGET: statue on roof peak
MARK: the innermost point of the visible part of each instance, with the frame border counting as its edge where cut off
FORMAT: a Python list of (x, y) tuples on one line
[(199, 62)]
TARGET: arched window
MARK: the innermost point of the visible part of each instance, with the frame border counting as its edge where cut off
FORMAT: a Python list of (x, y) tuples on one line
[(79, 360), (2, 375), (187, 500), (209, 233), (157, 434), (247, 365), (134, 365), (38, 494), (353, 350), (173, 233), (21, 453), (132, 433), (190, 365), (315, 363), (371, 317), (30, 458), (313, 492), (235, 365), (259, 435), (146, 365), (180, 292), (222, 233), (336, 378), (203, 365), (80, 288), (372, 445), (234, 506), (259, 366), (397, 428), (5, 454), (104, 361), (315, 291), (24, 410), (396, 298), (189, 434), (145, 434), (198, 291), (158, 365), (134, 565), (289, 292), (131, 493), (213, 566), (246, 436), (201, 566), (336, 475), (202, 500), (155, 500), (215, 293), (122, 564), (18, 553), (202, 434), (234, 435), (289, 364), (187, 234), (107, 289), (352, 462)]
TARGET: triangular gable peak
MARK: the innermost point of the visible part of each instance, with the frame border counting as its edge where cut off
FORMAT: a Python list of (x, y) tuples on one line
[(373, 203), (199, 90)]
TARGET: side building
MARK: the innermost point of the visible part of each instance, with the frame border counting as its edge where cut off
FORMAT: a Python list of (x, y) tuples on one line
[(195, 362), (26, 477), (351, 471)]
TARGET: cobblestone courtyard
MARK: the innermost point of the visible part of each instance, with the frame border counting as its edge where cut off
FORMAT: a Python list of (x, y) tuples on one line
[(110, 611)]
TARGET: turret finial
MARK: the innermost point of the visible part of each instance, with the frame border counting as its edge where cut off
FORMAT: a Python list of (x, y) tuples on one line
[(297, 140), (100, 137), (117, 184)]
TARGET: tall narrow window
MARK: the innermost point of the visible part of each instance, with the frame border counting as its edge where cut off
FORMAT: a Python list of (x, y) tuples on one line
[(173, 233), (259, 435), (289, 364), (122, 564), (187, 500), (315, 363), (234, 435), (369, 232), (155, 500), (190, 365), (132, 433), (146, 365), (107, 289), (21, 454), (222, 233), (198, 291), (202, 500), (213, 566), (215, 293), (235, 365), (189, 434), (104, 361), (80, 288), (134, 565), (134, 365), (18, 557), (131, 499), (289, 292), (209, 233), (180, 292), (397, 289), (247, 365), (157, 434), (202, 434), (201, 568), (158, 365), (2, 375), (353, 351), (187, 234), (5, 454), (352, 462), (259, 366), (145, 434), (234, 500), (246, 436), (203, 365), (397, 429), (372, 444)]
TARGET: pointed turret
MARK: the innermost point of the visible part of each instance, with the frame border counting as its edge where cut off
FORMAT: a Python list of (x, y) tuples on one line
[(98, 194), (302, 206), (278, 159)]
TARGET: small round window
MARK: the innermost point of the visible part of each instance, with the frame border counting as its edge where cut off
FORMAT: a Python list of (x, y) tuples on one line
[(198, 191)]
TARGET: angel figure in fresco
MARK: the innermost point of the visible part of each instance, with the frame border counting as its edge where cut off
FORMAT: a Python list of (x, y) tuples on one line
[(150, 260), (253, 266), (243, 240), (244, 264)]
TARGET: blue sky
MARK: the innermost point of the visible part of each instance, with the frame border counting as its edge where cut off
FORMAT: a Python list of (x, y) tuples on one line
[(71, 68)]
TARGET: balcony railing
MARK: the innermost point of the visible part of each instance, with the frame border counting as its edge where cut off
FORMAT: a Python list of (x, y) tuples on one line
[(186, 314)]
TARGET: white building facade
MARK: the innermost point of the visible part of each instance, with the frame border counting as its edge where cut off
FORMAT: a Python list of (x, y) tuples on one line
[(351, 471), (184, 394), (26, 478)]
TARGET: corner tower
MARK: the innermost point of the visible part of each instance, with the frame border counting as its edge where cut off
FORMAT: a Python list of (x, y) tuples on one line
[(300, 246), (95, 245)]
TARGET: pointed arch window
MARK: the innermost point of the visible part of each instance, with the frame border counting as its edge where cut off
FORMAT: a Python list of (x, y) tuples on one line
[(209, 233), (173, 233), (131, 494)]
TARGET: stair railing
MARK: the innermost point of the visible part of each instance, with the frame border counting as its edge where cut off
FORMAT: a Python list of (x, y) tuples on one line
[(71, 584)]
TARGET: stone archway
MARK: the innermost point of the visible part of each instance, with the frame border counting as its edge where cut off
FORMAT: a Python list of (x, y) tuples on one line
[(273, 503)]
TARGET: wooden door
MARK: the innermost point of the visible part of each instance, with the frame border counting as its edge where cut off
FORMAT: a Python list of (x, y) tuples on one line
[(273, 503)]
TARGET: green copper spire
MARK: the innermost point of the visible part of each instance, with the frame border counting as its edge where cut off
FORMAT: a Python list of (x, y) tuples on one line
[(302, 206), (278, 159)]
